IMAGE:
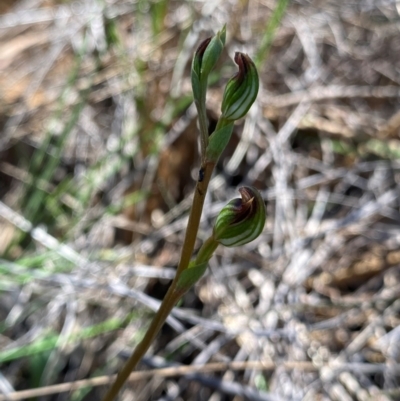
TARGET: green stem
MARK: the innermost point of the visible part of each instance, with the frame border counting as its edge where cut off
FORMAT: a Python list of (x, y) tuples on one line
[(221, 123), (203, 124), (206, 250), (194, 219), (173, 295)]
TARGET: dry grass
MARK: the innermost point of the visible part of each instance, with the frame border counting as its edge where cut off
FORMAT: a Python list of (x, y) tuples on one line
[(98, 157)]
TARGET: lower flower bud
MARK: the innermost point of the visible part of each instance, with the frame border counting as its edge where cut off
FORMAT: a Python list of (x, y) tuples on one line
[(241, 220)]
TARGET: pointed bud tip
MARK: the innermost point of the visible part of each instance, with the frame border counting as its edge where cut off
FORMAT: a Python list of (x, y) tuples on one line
[(202, 47), (247, 194), (222, 34)]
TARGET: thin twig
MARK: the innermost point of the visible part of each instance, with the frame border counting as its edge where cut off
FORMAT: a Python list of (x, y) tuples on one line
[(305, 366)]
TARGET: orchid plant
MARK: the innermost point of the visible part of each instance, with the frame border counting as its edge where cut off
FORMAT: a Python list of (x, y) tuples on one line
[(241, 220)]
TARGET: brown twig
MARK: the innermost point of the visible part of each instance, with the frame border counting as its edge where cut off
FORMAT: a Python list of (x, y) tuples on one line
[(164, 372), (305, 366)]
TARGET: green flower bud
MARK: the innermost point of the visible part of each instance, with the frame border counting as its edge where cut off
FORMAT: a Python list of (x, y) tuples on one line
[(204, 60), (212, 53), (241, 220), (198, 56), (241, 90), (207, 54)]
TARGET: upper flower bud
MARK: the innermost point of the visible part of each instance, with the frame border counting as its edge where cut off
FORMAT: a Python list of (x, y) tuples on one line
[(198, 56), (204, 60), (241, 90), (208, 52), (241, 220)]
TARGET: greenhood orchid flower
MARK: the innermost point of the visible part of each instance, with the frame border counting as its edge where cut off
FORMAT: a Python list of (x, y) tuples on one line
[(241, 220), (241, 90)]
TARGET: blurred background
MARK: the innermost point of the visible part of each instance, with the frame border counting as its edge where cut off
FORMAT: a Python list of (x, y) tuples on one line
[(98, 160)]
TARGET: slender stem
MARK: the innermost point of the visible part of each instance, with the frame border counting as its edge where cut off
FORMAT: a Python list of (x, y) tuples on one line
[(166, 306), (173, 295), (194, 219)]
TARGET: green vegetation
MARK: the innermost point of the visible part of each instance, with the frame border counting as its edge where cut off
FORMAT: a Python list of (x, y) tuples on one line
[(100, 164)]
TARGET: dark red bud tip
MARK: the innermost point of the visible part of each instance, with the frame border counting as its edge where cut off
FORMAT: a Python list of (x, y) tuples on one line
[(247, 195), (243, 61), (202, 47)]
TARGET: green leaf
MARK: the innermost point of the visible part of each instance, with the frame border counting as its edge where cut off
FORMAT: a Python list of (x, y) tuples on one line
[(218, 141), (191, 275)]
